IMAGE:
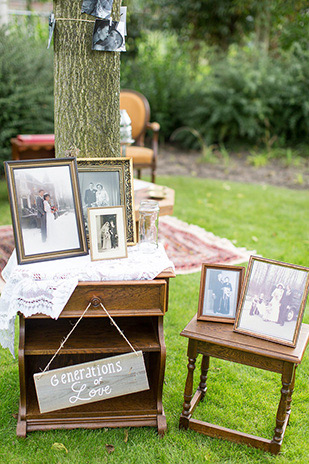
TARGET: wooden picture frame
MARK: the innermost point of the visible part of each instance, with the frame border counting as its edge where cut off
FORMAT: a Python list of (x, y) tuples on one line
[(107, 233), (116, 177), (273, 301), (220, 290), (46, 209)]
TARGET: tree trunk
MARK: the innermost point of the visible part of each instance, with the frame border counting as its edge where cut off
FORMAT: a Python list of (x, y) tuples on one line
[(87, 86)]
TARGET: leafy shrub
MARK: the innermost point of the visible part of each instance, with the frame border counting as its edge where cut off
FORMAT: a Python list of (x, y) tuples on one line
[(161, 71), (26, 88), (244, 95)]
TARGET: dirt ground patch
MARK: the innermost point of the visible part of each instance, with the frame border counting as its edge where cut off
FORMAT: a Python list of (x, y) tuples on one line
[(172, 161)]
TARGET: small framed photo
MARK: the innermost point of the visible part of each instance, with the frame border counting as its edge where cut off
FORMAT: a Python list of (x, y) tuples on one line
[(108, 182), (46, 209), (273, 301), (219, 292), (107, 233)]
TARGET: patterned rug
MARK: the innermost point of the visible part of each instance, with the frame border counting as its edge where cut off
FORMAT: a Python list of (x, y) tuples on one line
[(188, 246)]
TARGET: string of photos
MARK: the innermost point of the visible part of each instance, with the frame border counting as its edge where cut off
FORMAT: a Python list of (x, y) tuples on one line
[(108, 35)]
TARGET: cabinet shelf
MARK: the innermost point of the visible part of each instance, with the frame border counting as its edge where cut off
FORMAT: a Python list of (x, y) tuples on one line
[(92, 335), (138, 309)]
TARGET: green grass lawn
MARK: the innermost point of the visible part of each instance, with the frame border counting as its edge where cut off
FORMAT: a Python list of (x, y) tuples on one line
[(274, 222)]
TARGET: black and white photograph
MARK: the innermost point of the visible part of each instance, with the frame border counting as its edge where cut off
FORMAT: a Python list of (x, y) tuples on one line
[(46, 209), (219, 292), (108, 36), (99, 8), (107, 182), (107, 233), (273, 300)]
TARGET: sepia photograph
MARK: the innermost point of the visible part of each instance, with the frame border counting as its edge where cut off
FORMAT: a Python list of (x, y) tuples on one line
[(108, 37), (219, 292), (273, 300), (46, 209), (107, 234), (107, 182), (99, 8)]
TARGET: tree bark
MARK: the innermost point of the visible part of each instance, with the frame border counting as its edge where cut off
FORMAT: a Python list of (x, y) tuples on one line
[(86, 86)]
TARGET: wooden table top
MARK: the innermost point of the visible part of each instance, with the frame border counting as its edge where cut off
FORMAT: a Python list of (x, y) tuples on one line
[(166, 204), (223, 335)]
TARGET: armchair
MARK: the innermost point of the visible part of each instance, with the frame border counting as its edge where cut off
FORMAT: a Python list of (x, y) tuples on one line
[(137, 107)]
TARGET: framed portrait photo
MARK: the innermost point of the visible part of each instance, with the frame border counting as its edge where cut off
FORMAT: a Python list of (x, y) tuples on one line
[(107, 233), (46, 209), (108, 182), (219, 292), (273, 300)]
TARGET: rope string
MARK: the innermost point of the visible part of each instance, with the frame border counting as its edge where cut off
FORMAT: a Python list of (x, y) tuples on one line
[(65, 339), (121, 333), (78, 20), (74, 327)]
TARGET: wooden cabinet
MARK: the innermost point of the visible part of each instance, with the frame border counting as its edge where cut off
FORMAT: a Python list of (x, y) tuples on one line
[(138, 308)]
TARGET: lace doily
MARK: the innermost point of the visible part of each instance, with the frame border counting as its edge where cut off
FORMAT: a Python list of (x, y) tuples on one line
[(47, 286)]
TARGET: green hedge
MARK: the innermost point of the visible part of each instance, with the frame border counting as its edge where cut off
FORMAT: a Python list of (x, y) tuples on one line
[(26, 88), (242, 96)]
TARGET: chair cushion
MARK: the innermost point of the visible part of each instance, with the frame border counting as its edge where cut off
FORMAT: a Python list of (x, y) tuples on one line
[(136, 110), (140, 155)]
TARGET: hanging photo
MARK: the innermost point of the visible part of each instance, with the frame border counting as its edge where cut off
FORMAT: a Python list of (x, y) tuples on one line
[(99, 8), (219, 292), (108, 36), (51, 27), (107, 233), (273, 300), (46, 209), (108, 182)]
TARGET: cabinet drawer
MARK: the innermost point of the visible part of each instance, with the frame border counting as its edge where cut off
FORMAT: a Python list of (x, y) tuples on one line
[(140, 298)]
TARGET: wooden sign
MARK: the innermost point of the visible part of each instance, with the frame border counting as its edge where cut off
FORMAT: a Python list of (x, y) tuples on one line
[(90, 382)]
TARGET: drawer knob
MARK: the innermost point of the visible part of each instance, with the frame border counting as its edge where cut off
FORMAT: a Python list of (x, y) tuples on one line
[(95, 301)]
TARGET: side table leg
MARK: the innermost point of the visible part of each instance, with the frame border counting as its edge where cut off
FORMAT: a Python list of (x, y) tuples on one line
[(185, 415), (203, 378), (285, 402), (289, 400)]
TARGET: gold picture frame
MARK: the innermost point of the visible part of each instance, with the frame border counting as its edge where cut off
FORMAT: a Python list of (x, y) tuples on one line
[(220, 290), (116, 177)]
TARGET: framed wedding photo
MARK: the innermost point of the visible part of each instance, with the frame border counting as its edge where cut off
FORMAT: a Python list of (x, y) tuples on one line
[(273, 301), (219, 292), (46, 209), (108, 182), (107, 233)]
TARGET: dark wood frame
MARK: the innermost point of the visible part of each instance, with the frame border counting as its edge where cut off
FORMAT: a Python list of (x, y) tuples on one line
[(239, 329), (220, 341), (22, 258), (125, 168), (92, 233), (219, 318)]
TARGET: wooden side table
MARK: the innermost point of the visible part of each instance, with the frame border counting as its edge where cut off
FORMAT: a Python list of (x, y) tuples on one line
[(219, 340), (138, 308)]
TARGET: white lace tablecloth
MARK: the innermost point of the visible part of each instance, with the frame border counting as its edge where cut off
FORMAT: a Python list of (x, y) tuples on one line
[(47, 286)]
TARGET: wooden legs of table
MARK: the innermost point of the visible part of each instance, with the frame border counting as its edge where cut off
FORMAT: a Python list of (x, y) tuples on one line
[(190, 403), (284, 409), (21, 429), (203, 378), (187, 408)]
